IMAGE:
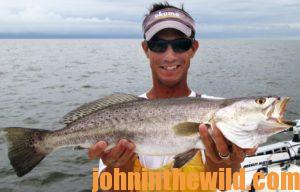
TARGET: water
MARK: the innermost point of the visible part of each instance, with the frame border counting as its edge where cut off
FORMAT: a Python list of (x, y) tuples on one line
[(41, 80)]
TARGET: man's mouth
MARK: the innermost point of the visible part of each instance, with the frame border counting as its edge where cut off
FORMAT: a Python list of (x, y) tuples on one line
[(170, 68)]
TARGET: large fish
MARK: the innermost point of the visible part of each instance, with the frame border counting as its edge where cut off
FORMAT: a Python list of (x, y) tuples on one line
[(157, 127)]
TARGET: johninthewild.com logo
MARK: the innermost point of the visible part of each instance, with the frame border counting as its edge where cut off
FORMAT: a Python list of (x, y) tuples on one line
[(175, 179)]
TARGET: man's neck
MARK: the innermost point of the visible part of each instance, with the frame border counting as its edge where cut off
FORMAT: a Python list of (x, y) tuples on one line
[(160, 91)]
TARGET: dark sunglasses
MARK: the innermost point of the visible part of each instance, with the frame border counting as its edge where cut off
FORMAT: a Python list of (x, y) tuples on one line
[(178, 45)]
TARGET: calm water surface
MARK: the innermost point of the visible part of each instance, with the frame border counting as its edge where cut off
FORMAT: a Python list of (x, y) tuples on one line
[(41, 80)]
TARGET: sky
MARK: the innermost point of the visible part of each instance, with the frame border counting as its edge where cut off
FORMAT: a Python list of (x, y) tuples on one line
[(279, 19)]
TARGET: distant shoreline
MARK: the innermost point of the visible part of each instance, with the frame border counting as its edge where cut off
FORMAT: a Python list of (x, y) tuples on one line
[(137, 38)]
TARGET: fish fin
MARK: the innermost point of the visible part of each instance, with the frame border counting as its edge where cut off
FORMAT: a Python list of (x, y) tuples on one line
[(271, 127), (86, 145), (182, 158), (200, 145), (22, 152), (77, 148), (186, 128), (97, 105)]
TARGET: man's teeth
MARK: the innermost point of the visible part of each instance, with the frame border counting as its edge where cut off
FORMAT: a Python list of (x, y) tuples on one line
[(171, 67)]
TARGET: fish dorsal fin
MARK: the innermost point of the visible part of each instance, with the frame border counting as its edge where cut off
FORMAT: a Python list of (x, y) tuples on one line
[(186, 128), (97, 105)]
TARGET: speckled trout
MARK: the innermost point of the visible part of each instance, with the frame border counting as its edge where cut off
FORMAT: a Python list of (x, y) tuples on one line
[(157, 127)]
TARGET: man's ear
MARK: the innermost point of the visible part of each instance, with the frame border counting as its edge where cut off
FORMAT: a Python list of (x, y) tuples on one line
[(194, 48), (145, 48)]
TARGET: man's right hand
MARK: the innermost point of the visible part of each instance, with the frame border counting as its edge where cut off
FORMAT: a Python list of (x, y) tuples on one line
[(120, 155)]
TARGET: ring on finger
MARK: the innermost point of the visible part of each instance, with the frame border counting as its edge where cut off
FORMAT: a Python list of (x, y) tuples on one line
[(224, 157)]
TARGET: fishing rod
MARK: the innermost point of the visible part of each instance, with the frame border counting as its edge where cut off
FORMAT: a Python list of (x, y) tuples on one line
[(296, 131)]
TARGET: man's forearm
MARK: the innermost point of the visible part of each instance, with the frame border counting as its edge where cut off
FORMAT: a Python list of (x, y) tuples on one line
[(214, 167)]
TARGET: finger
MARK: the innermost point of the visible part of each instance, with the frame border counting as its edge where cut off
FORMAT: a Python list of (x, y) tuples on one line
[(97, 149), (110, 158), (130, 160), (250, 152), (105, 153), (210, 149), (221, 142), (238, 154), (126, 156)]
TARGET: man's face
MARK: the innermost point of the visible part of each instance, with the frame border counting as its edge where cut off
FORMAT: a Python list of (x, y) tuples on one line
[(170, 68)]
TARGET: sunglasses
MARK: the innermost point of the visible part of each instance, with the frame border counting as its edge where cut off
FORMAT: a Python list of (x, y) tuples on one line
[(178, 45)]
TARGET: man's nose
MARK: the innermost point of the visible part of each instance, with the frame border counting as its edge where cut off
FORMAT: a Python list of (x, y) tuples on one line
[(169, 55)]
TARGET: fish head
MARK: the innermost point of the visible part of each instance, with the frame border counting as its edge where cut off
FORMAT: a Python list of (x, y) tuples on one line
[(248, 122)]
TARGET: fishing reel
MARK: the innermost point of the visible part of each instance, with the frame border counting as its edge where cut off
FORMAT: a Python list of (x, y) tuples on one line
[(296, 131)]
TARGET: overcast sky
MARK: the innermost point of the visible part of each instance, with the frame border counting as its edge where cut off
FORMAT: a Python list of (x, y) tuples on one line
[(120, 18)]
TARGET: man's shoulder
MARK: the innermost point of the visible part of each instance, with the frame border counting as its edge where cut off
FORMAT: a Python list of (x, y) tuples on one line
[(144, 95)]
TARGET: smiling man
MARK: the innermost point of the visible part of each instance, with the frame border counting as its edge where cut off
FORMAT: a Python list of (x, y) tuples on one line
[(170, 44), (169, 52)]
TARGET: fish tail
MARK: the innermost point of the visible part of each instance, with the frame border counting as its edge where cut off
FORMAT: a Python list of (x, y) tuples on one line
[(23, 151)]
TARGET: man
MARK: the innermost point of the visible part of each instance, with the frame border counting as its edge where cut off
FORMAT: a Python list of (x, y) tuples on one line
[(169, 45)]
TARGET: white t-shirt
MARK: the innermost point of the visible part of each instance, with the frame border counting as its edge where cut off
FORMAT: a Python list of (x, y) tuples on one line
[(154, 162)]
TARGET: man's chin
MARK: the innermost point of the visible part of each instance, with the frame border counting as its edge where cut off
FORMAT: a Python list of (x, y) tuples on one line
[(170, 82)]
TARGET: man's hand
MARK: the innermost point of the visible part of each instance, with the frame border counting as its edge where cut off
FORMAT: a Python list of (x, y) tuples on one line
[(217, 145), (119, 156)]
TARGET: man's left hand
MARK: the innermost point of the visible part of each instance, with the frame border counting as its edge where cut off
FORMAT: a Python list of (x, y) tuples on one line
[(218, 148)]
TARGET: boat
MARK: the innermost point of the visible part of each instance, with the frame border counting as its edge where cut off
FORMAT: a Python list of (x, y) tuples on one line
[(278, 158)]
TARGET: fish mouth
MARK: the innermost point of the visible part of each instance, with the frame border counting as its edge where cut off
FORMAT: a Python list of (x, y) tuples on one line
[(282, 103), (276, 113)]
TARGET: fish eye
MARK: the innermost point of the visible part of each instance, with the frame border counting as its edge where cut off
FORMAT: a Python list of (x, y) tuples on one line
[(260, 101)]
